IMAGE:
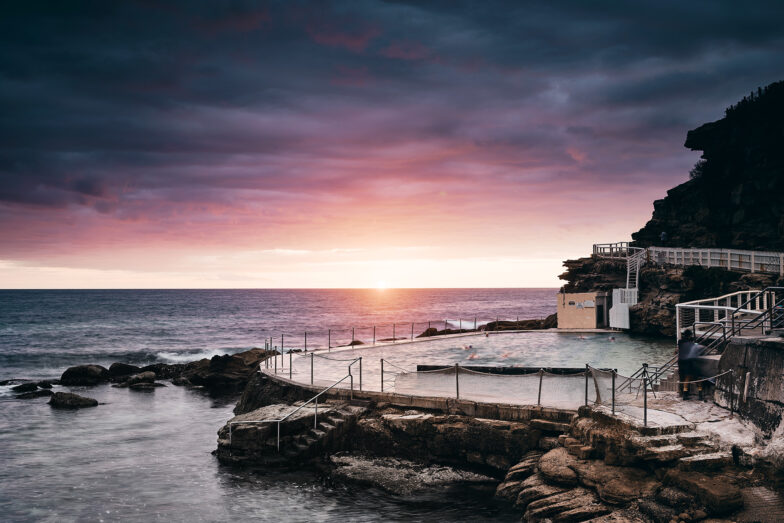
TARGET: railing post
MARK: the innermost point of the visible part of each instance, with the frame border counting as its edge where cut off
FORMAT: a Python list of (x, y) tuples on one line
[(311, 368), (412, 331), (290, 365), (351, 378), (445, 322), (276, 363), (474, 322), (645, 395), (539, 396), (461, 325), (394, 336), (306, 341), (352, 336), (374, 334), (496, 323), (614, 372), (281, 347), (382, 374), (329, 340), (360, 373), (586, 384), (315, 415), (457, 380)]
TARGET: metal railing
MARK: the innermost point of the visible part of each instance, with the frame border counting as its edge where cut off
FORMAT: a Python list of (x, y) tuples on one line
[(390, 333), (761, 310), (287, 416)]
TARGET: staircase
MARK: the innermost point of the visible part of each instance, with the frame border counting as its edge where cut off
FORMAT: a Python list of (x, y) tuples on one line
[(737, 321), (252, 439)]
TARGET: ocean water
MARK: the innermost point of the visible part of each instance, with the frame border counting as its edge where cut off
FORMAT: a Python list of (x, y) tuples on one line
[(146, 456)]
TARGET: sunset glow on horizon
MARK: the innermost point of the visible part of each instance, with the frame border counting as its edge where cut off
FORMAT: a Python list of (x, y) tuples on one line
[(348, 145)]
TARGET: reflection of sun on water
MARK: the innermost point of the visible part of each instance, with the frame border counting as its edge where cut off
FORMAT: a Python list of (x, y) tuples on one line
[(381, 285)]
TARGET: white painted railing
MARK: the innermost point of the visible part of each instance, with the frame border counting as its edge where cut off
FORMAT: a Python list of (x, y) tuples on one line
[(730, 259), (699, 315), (615, 250)]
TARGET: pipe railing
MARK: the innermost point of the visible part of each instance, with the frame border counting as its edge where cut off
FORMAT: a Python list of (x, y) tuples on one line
[(287, 416)]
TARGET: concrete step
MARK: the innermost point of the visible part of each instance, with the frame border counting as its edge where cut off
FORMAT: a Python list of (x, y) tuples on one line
[(705, 462), (691, 439), (316, 433)]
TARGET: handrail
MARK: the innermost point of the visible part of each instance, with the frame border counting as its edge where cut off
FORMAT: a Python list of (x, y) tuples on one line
[(287, 416)]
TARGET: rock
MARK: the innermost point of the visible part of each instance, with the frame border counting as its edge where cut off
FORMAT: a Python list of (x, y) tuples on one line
[(68, 400), (118, 369), (717, 492), (546, 443), (24, 387), (401, 477), (509, 490), (45, 384), (657, 512), (181, 381), (674, 497), (142, 377), (85, 375), (555, 467), (165, 371), (551, 506), (535, 488), (525, 468), (145, 385), (34, 394), (615, 485), (227, 373)]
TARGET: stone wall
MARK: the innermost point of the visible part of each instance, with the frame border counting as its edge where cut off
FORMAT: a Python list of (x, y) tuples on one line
[(763, 360)]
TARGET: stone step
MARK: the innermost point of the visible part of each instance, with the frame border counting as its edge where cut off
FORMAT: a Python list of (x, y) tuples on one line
[(692, 438), (326, 427), (549, 426), (664, 454), (663, 440), (704, 462)]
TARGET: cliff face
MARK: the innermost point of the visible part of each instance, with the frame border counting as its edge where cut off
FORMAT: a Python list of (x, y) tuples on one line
[(735, 197)]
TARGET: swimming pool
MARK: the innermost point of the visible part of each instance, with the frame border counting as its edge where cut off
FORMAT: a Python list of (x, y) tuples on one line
[(522, 349)]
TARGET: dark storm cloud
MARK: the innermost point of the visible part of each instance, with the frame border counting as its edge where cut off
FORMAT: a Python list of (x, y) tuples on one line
[(105, 102)]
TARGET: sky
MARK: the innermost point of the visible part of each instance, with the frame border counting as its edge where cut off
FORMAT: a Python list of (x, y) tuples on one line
[(195, 144)]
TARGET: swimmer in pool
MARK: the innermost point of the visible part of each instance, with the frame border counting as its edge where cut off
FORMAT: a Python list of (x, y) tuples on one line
[(612, 338), (473, 356), (504, 355)]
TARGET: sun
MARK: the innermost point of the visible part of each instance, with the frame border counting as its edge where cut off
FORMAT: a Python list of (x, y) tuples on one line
[(381, 285)]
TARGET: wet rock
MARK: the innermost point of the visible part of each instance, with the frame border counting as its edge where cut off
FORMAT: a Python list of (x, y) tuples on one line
[(509, 490), (402, 477), (68, 400), (227, 373), (551, 506), (535, 488), (525, 468), (142, 377), (118, 369), (181, 381), (34, 394), (24, 387), (85, 375), (45, 384), (145, 386), (555, 467), (165, 371)]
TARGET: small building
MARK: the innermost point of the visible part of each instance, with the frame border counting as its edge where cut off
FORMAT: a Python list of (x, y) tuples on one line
[(583, 310)]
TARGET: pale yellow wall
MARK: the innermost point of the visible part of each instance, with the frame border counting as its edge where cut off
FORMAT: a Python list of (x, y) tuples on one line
[(573, 317)]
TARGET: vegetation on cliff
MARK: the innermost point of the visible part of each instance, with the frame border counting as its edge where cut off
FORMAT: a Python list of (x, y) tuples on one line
[(735, 197)]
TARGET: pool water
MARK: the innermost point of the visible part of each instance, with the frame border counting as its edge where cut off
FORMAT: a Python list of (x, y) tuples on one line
[(524, 349)]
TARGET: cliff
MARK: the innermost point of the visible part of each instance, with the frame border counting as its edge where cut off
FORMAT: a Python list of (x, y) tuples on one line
[(735, 197)]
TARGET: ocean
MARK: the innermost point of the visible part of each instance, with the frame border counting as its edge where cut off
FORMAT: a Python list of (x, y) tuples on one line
[(146, 456)]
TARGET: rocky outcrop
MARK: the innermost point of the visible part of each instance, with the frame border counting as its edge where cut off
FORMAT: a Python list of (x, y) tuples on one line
[(660, 288), (402, 477), (227, 373), (43, 393), (85, 375), (488, 445), (120, 370), (67, 400), (262, 391), (735, 198)]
